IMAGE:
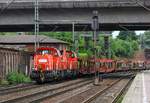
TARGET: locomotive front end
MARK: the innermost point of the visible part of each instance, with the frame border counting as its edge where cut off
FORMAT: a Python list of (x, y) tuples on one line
[(42, 66)]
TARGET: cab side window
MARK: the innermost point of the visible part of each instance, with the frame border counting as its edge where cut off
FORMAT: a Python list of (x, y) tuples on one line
[(72, 55)]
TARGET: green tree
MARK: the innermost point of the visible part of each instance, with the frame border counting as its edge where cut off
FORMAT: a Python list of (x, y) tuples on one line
[(124, 46), (65, 36), (127, 35), (146, 39), (147, 34)]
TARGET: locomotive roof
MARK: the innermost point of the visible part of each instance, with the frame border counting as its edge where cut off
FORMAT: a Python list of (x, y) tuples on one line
[(28, 39), (47, 48)]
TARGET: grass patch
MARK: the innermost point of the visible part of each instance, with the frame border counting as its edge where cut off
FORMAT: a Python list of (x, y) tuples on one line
[(120, 99), (16, 78), (4, 82)]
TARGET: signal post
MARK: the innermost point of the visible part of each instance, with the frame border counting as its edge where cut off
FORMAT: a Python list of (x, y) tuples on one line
[(95, 28)]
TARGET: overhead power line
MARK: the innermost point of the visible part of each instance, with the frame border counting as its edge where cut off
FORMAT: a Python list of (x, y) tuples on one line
[(142, 5), (8, 4)]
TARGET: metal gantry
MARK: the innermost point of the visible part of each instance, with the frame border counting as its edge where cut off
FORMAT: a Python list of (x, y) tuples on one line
[(36, 24), (75, 38), (107, 51), (73, 35)]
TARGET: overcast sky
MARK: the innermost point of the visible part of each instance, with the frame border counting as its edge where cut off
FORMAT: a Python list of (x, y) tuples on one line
[(115, 33)]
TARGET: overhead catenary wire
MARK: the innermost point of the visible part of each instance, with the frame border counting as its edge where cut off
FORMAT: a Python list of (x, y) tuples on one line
[(142, 5), (46, 36), (124, 28), (8, 4)]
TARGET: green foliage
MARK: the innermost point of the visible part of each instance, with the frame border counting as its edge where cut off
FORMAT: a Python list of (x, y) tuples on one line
[(135, 45), (147, 35), (123, 46), (83, 55), (65, 36), (120, 99), (146, 39), (127, 35), (4, 82), (15, 78), (2, 33), (8, 33), (85, 46)]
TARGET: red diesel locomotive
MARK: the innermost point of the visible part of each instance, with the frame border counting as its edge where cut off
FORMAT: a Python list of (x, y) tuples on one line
[(50, 63)]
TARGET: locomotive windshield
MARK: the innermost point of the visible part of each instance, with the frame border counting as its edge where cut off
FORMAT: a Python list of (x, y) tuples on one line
[(42, 52)]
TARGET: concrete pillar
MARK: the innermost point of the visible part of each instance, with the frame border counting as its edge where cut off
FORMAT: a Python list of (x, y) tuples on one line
[(15, 63), (9, 62), (1, 68), (4, 63)]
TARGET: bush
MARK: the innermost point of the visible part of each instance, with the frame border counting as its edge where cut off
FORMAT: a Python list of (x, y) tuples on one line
[(4, 82), (83, 55), (15, 78)]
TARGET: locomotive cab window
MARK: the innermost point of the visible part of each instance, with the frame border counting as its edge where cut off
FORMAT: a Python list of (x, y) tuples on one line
[(42, 52), (72, 55)]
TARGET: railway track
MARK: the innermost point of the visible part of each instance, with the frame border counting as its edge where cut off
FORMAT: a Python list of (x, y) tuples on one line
[(22, 87), (2, 88), (38, 94), (78, 95), (122, 91), (7, 90), (49, 92), (123, 74), (110, 94), (106, 92)]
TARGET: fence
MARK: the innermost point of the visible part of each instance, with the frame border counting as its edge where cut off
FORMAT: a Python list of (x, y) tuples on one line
[(14, 60)]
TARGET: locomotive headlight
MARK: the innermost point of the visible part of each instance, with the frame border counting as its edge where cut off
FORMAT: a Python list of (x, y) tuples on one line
[(47, 68), (42, 60)]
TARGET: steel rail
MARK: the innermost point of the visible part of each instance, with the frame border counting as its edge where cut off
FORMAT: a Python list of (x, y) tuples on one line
[(18, 89), (51, 91), (100, 92), (122, 91)]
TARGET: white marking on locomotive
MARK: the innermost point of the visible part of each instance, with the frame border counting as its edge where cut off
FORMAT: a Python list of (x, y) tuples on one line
[(42, 60)]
